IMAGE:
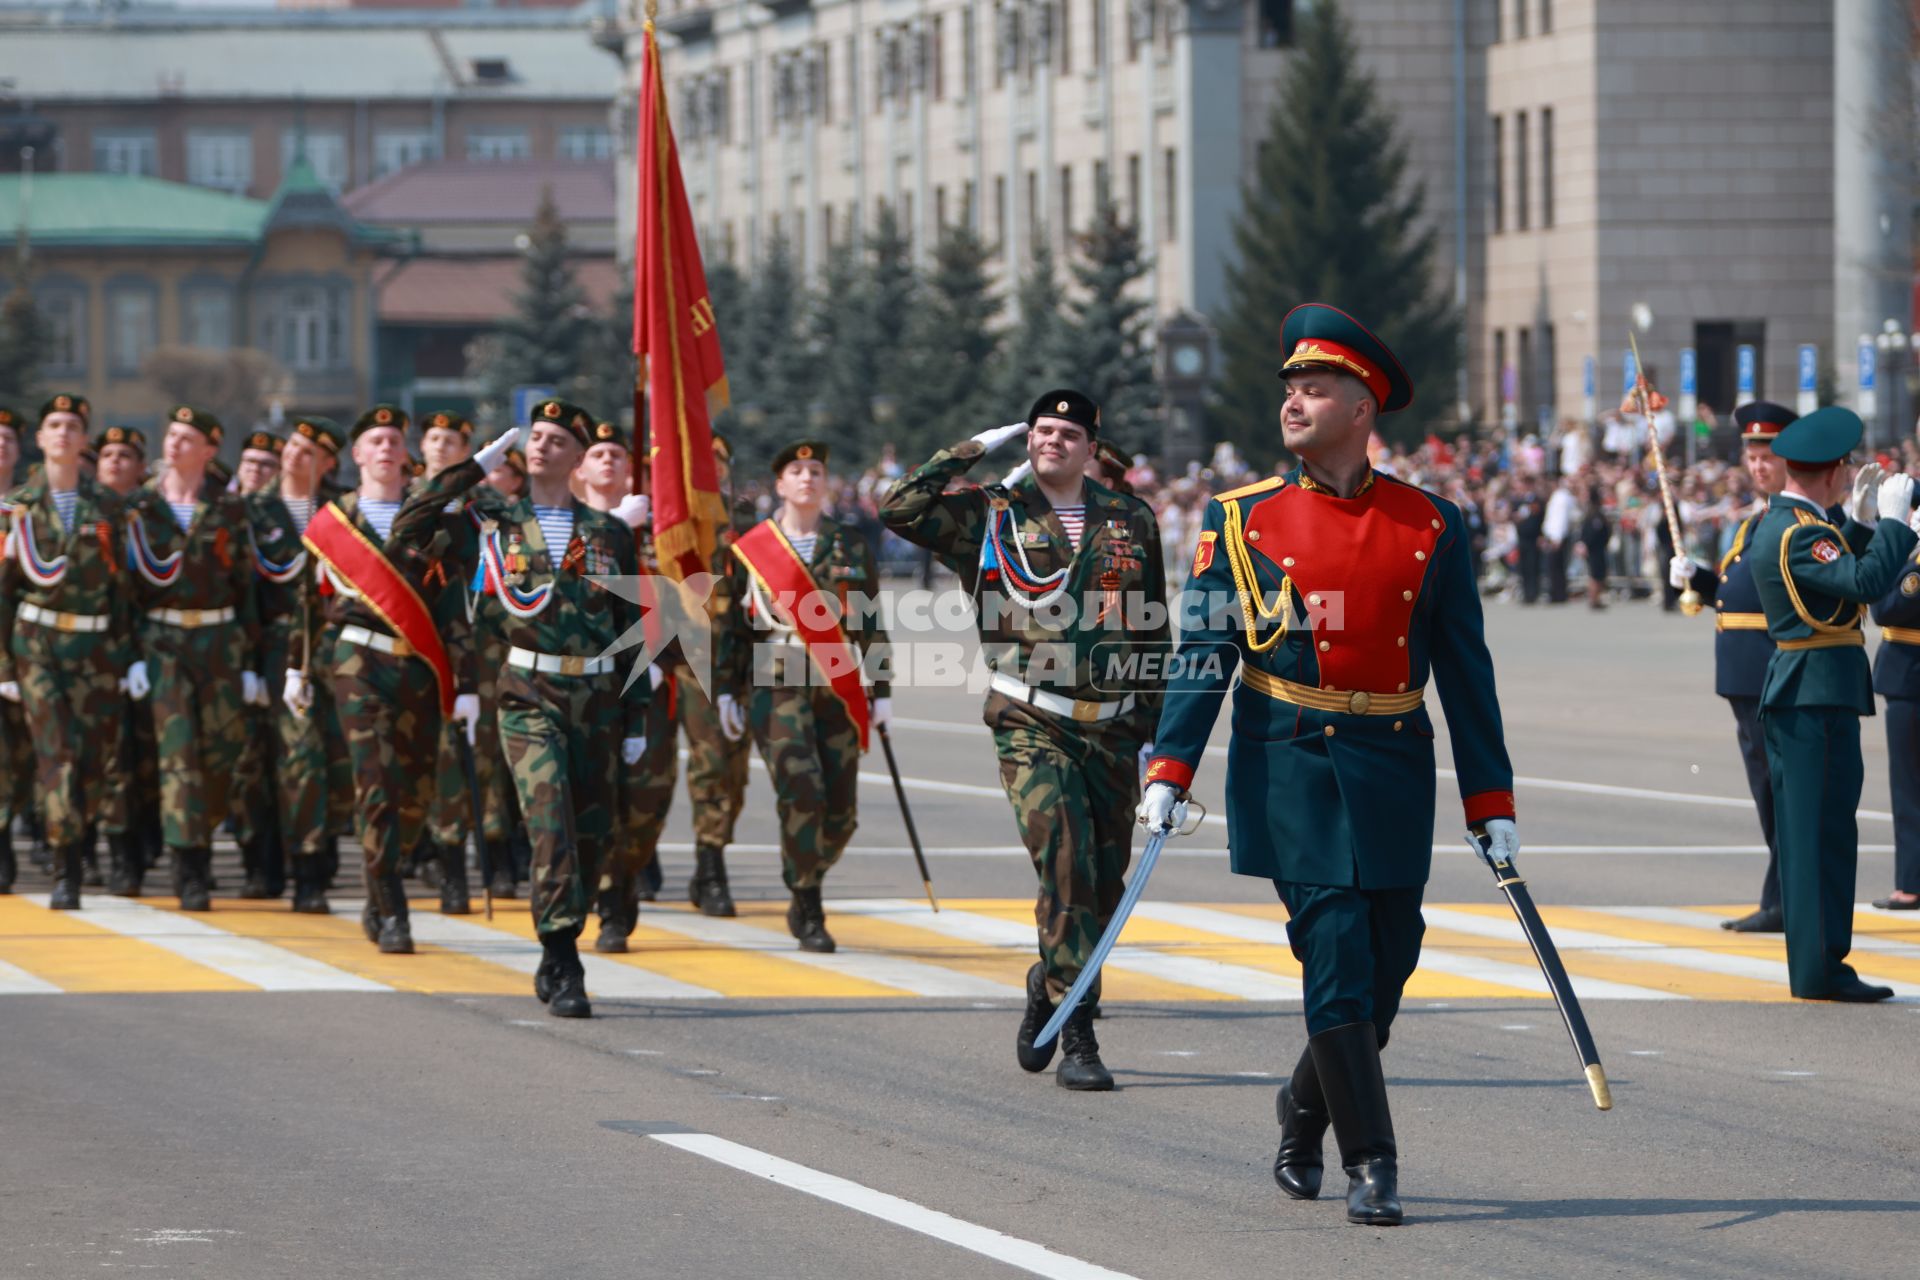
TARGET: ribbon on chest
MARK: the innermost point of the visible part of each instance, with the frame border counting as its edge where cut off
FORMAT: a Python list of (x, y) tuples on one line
[(503, 569), (158, 570), (1023, 586)]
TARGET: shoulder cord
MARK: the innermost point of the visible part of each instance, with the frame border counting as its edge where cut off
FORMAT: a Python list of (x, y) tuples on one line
[(1828, 627), (1240, 562)]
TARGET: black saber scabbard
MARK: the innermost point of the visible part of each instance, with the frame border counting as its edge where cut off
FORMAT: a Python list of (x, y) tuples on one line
[(1509, 882)]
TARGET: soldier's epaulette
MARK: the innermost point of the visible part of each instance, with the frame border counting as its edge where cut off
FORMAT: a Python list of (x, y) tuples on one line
[(1248, 490)]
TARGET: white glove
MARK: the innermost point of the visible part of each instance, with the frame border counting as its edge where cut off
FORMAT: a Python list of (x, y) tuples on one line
[(253, 690), (1896, 498), (491, 456), (635, 510), (135, 683), (1914, 522), (654, 676), (297, 693), (1143, 759), (466, 709), (631, 749), (1503, 841), (733, 717), (992, 439), (1680, 571), (882, 713), (1161, 808), (10, 690), (1861, 506)]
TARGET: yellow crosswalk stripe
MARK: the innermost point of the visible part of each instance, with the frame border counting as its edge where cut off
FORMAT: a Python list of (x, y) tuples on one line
[(60, 947), (337, 940)]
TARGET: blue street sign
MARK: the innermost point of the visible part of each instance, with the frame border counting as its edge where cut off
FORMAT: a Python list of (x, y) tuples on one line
[(1866, 366), (1626, 372), (1809, 367), (1590, 372), (523, 401), (1689, 372), (1748, 367)]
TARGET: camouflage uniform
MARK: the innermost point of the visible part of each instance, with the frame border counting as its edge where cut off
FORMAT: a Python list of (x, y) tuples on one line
[(716, 766), (16, 784), (451, 813), (68, 643), (273, 812), (1073, 782)]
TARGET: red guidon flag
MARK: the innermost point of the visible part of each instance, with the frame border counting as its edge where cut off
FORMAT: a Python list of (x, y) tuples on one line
[(684, 378)]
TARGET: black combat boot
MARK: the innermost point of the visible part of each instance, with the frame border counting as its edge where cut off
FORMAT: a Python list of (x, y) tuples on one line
[(396, 930), (1080, 1065), (253, 862), (454, 898), (273, 861), (9, 866), (651, 879), (619, 911), (69, 871), (708, 889), (566, 995), (807, 921), (90, 857), (500, 856), (329, 861), (194, 868), (310, 887), (37, 850), (124, 870), (1347, 1060), (1303, 1129), (1039, 1009)]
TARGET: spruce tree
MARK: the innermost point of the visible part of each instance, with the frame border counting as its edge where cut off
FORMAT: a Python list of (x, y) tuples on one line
[(24, 343), (1329, 216), (892, 295), (840, 330), (542, 341), (954, 340), (1104, 341), (1034, 360), (781, 368)]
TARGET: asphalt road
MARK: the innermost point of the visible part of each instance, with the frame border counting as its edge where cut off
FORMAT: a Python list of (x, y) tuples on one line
[(264, 1134)]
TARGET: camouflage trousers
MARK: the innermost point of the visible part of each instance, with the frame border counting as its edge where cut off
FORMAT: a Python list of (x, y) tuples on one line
[(133, 787), (199, 723), (1074, 789), (812, 751), (390, 712), (16, 765), (70, 696), (500, 807), (304, 785), (452, 812), (646, 788), (716, 768), (561, 735)]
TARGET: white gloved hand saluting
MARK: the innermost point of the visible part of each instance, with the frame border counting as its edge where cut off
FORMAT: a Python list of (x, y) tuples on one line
[(466, 709), (1161, 808), (631, 749), (633, 510), (995, 437), (495, 451), (297, 693), (1896, 498), (1680, 571), (253, 690), (1860, 504), (733, 717), (135, 683)]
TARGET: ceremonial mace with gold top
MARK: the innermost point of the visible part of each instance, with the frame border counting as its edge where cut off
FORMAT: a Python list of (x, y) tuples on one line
[(1642, 317)]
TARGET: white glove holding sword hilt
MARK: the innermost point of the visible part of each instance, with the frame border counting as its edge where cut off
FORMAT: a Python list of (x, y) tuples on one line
[(1503, 841), (1162, 808)]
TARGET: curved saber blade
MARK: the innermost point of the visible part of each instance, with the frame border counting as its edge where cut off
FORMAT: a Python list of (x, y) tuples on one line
[(1091, 969)]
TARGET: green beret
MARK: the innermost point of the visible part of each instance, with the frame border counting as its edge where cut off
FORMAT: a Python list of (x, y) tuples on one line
[(264, 442), (1316, 336), (132, 437), (205, 423), (324, 432), (66, 402), (1074, 406), (800, 451), (577, 421), (381, 415), (441, 420), (1820, 439), (611, 433)]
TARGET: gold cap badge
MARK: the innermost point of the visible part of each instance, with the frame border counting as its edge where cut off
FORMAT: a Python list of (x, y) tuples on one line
[(183, 414), (1062, 406), (383, 416), (804, 451)]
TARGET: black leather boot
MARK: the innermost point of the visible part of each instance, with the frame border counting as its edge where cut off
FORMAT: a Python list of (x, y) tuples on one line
[(273, 861), (329, 861), (1039, 1009), (567, 995), (807, 921), (1080, 1065), (9, 865), (396, 931), (651, 879), (37, 850), (90, 859), (310, 886), (253, 858), (1347, 1060), (69, 871), (619, 911), (1303, 1130), (193, 869), (1763, 920), (124, 870), (454, 897), (500, 858), (708, 888)]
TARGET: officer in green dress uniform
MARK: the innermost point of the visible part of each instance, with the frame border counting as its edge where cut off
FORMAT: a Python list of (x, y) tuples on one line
[(1816, 579), (1337, 592)]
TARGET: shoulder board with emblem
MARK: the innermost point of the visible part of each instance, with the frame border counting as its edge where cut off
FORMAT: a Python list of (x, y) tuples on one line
[(1247, 491)]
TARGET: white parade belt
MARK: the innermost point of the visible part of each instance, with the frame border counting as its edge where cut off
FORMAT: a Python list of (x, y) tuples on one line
[(63, 621), (378, 641), (554, 664), (192, 618), (1085, 710)]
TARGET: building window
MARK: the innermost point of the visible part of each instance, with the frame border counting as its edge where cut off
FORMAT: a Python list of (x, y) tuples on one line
[(1520, 26), (1099, 33), (1498, 194), (1133, 188), (1500, 20), (1524, 378), (397, 149), (826, 227), (1276, 24), (1500, 370), (823, 79), (1101, 184), (326, 152), (937, 57), (206, 316), (63, 310), (1169, 229), (939, 209), (969, 54), (1546, 166), (586, 142), (906, 218), (492, 145), (1063, 35), (1521, 205), (1033, 208), (1066, 204), (1000, 213), (304, 326), (1140, 19), (1546, 17), (132, 323), (1549, 392), (129, 151), (853, 79), (220, 158)]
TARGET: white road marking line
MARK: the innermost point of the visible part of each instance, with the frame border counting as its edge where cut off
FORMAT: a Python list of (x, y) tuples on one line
[(605, 978), (250, 960), (1015, 1252), (888, 971), (1525, 977), (1862, 942), (15, 981), (1192, 971)]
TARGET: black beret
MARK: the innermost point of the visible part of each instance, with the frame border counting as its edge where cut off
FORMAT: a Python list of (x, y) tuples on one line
[(611, 433), (800, 451), (381, 415), (324, 432), (264, 441), (66, 402), (132, 437), (200, 420), (1074, 406), (441, 420), (577, 421)]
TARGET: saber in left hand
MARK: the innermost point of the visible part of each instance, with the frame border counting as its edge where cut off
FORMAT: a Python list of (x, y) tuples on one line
[(1509, 882)]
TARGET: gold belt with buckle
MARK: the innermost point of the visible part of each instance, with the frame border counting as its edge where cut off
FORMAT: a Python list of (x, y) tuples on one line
[(1901, 635), (1357, 702), (1740, 622), (1831, 640)]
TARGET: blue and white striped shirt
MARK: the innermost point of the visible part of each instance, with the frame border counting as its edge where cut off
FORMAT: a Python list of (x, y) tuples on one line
[(556, 526), (380, 515)]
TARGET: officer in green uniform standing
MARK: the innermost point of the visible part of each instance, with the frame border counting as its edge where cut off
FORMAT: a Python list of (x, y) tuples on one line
[(1816, 580), (804, 644), (1072, 734), (67, 648)]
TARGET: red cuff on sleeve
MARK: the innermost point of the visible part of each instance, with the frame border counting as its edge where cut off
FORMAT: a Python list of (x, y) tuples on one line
[(1167, 769), (1482, 805)]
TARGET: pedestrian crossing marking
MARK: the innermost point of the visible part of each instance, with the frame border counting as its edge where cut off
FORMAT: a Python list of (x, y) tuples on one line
[(1897, 926), (893, 948)]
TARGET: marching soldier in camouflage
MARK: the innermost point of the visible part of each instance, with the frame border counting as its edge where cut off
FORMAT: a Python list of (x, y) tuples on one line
[(131, 819), (16, 749), (804, 644), (278, 563), (67, 634), (201, 638), (445, 441), (508, 852), (566, 720), (1070, 719)]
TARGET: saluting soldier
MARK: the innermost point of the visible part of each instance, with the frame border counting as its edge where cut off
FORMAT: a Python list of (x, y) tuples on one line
[(1896, 677), (1741, 645), (804, 643), (67, 647), (1816, 580), (1337, 592), (1070, 718), (131, 819), (401, 654), (567, 722), (16, 748), (201, 638)]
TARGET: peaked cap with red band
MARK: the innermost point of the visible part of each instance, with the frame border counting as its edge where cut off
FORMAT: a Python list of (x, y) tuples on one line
[(1317, 336), (1763, 420)]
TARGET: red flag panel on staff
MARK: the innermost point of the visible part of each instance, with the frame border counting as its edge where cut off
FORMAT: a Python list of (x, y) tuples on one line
[(674, 335)]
